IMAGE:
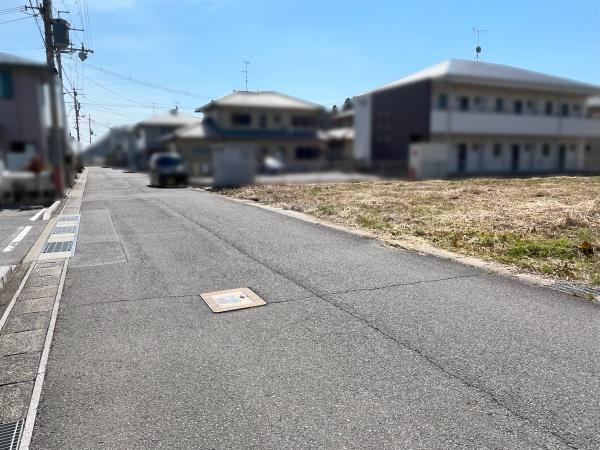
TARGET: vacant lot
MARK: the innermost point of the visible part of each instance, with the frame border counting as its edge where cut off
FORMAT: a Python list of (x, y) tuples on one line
[(537, 224)]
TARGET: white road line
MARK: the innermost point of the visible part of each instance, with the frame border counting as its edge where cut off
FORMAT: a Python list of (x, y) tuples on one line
[(17, 239), (50, 210), (39, 379), (37, 215)]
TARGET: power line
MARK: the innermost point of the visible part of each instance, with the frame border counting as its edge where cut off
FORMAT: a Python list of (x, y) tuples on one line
[(115, 93), (15, 20), (147, 84), (37, 23)]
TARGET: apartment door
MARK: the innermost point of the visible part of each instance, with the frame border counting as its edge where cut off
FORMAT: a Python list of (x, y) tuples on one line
[(515, 157), (562, 153), (462, 158)]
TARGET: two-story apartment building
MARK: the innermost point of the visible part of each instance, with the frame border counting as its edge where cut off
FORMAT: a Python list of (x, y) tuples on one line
[(469, 117), (267, 124)]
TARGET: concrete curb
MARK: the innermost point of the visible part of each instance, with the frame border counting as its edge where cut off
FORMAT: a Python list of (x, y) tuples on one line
[(418, 246)]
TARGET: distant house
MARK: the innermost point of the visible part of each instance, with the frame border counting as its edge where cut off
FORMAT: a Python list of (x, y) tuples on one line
[(272, 126), (117, 148), (26, 121), (462, 118), (151, 133)]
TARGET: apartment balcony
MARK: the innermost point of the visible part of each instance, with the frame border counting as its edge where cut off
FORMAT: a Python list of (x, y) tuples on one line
[(482, 123)]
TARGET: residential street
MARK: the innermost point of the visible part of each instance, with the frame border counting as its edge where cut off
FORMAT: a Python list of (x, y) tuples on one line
[(359, 346)]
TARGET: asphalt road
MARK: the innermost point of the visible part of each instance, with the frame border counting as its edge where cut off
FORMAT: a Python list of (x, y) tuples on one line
[(359, 346)]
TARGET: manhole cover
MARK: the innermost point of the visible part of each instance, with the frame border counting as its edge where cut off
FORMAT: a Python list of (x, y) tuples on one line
[(10, 435), (229, 300)]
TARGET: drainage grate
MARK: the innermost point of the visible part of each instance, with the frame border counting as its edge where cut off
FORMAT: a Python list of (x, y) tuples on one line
[(575, 289), (58, 247), (70, 218), (61, 230), (10, 435)]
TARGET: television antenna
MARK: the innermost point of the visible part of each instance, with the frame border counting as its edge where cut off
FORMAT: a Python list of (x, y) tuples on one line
[(246, 72), (478, 48)]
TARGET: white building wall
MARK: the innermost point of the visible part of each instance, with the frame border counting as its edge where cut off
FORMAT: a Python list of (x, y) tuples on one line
[(362, 128), (483, 157)]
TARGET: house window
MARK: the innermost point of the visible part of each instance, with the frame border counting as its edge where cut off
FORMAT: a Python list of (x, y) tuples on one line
[(277, 118), (241, 119), (307, 153), (303, 121), (497, 150), (463, 103), (262, 121), (499, 105), (6, 84), (518, 107), (443, 101), (549, 108), (564, 110)]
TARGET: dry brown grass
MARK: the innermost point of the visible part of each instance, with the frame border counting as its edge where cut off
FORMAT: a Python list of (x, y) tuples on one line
[(536, 224)]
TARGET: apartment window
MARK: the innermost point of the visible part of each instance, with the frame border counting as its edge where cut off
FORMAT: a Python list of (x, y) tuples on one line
[(277, 119), (241, 119), (564, 110), (531, 107), (304, 121), (6, 84), (463, 103), (549, 108), (572, 147), (478, 103), (499, 105), (17, 147), (497, 150), (576, 110), (307, 153), (518, 107), (443, 101), (588, 148), (262, 121), (546, 150)]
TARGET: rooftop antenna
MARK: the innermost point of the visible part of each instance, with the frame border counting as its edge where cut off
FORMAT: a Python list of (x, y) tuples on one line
[(478, 48), (246, 72)]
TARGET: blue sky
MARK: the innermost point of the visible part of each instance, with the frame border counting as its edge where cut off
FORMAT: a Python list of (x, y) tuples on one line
[(323, 51)]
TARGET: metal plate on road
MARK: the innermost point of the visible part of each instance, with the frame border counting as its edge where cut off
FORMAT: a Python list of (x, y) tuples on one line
[(232, 299)]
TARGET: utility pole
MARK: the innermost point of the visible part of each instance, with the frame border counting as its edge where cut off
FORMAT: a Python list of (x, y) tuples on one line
[(77, 106), (55, 153), (90, 127)]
